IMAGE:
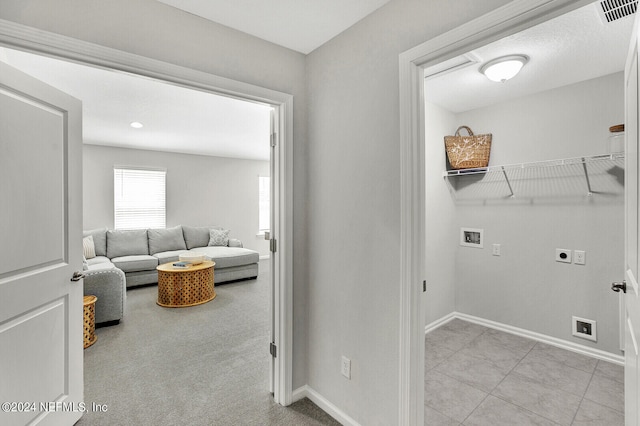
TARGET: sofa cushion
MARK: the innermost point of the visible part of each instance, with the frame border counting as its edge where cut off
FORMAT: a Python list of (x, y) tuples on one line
[(168, 256), (218, 237), (226, 257), (101, 266), (98, 260), (135, 263), (197, 236), (99, 240), (88, 248), (127, 243), (165, 240)]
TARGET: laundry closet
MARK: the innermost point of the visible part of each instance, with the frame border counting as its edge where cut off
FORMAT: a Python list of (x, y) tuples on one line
[(532, 243)]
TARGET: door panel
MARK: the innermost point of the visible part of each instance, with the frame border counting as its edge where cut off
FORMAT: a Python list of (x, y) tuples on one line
[(632, 301), (34, 151), (41, 360)]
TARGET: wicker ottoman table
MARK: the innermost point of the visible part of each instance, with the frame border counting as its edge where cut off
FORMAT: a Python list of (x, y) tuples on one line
[(89, 314), (181, 287)]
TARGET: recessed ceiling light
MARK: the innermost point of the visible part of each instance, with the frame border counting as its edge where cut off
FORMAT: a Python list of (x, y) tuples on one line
[(136, 124), (504, 68)]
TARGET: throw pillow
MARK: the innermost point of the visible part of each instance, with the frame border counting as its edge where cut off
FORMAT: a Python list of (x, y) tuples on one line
[(88, 248), (218, 237), (99, 240)]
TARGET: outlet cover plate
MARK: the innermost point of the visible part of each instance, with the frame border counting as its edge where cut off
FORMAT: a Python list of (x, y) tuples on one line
[(346, 367), (563, 255), (584, 328), (579, 257)]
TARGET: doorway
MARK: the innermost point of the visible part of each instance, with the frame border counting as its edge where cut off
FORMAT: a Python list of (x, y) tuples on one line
[(503, 22), (551, 189), (552, 181), (23, 38)]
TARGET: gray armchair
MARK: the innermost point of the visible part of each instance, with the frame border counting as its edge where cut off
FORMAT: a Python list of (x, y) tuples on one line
[(108, 284)]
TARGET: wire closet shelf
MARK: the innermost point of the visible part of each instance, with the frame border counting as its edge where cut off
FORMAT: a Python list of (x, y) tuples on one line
[(597, 174)]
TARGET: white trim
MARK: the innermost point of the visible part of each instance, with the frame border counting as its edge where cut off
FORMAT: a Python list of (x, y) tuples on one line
[(501, 22), (439, 322), (328, 407), (553, 341), (411, 365), (264, 257), (32, 40)]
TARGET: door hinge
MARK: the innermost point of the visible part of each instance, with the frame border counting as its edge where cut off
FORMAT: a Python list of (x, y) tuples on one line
[(273, 139), (273, 245), (273, 350), (424, 286)]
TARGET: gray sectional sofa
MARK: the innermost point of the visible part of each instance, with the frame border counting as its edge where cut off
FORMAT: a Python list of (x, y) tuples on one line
[(123, 259)]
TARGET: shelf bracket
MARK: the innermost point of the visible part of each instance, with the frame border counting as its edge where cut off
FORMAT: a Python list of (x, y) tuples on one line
[(586, 176), (504, 172)]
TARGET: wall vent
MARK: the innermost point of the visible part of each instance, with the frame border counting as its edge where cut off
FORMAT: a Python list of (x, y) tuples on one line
[(612, 10)]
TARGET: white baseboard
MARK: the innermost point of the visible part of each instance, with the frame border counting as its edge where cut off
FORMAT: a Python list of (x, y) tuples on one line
[(306, 392), (553, 341), (437, 323)]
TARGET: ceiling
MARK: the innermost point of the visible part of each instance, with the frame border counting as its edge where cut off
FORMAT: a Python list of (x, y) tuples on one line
[(571, 48), (301, 25), (175, 119)]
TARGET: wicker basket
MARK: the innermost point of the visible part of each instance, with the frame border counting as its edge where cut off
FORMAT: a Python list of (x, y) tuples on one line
[(468, 152)]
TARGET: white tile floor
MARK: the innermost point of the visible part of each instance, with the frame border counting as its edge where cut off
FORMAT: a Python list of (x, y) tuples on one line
[(479, 376)]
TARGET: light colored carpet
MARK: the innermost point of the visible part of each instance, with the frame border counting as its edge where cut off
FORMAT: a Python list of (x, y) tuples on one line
[(201, 365)]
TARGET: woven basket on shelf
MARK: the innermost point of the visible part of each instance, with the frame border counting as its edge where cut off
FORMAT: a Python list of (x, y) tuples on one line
[(468, 152)]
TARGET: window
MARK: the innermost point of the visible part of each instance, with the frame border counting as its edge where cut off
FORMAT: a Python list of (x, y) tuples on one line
[(139, 198), (264, 203)]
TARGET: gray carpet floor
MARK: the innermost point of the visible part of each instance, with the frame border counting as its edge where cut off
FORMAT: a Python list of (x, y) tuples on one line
[(201, 365)]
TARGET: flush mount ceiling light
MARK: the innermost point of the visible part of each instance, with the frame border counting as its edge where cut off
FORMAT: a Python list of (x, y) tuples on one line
[(136, 125), (504, 68)]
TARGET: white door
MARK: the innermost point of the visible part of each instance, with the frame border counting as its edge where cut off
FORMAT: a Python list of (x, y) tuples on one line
[(41, 360), (632, 230)]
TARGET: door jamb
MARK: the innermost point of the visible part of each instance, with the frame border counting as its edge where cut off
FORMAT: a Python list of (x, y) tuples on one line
[(22, 37), (501, 22)]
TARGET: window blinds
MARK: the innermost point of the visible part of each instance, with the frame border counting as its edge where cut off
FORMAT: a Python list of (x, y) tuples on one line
[(139, 198), (264, 204)]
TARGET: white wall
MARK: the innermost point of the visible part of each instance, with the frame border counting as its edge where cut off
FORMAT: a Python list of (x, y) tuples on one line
[(440, 248), (201, 190), (153, 29), (525, 287), (354, 202)]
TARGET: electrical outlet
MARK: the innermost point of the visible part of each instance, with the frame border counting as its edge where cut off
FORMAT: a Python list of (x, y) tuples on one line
[(563, 255), (346, 367), (496, 250), (579, 257)]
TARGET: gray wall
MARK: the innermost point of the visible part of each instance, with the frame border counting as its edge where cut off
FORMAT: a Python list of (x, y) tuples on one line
[(441, 223), (354, 202), (201, 190), (152, 29), (525, 287)]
